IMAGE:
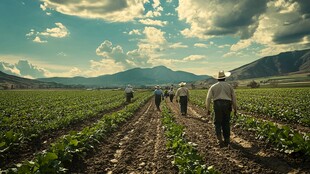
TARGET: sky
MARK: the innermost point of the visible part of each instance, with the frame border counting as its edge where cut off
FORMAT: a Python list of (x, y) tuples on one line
[(49, 38)]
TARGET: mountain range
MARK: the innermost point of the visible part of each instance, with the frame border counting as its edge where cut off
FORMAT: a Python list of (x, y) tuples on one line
[(135, 76), (277, 65), (14, 82), (281, 64)]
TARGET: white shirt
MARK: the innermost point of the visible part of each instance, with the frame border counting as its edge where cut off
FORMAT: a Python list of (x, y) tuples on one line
[(182, 91), (221, 90), (128, 90)]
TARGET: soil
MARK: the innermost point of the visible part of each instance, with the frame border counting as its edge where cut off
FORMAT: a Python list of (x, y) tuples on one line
[(139, 146), (28, 150), (245, 154)]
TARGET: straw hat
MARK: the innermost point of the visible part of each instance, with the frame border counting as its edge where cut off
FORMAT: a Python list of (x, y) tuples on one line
[(157, 86), (222, 75), (182, 84)]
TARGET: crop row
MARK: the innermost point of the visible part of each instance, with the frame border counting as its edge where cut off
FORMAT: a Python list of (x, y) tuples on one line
[(69, 148), (24, 121), (289, 105), (282, 137), (186, 156)]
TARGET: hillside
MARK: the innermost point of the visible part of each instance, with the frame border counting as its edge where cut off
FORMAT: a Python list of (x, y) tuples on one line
[(277, 65), (135, 76), (14, 82)]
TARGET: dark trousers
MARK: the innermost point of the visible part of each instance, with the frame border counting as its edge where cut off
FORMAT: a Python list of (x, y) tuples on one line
[(171, 97), (128, 97), (157, 101), (183, 104), (222, 110)]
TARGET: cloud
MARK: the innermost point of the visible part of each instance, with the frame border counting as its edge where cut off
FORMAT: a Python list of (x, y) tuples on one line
[(23, 68), (240, 45), (113, 11), (104, 66), (60, 31), (178, 45), (156, 3), (201, 45), (194, 57), (154, 35), (38, 40), (217, 18), (135, 32), (153, 22)]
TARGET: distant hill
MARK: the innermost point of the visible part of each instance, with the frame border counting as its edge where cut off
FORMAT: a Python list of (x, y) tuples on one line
[(135, 76), (13, 82), (277, 65)]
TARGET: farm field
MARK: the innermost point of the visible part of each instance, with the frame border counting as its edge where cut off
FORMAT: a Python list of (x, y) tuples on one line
[(96, 131)]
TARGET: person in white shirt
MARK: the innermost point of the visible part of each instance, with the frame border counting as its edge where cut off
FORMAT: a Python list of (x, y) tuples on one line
[(183, 93), (129, 93), (224, 100), (171, 94)]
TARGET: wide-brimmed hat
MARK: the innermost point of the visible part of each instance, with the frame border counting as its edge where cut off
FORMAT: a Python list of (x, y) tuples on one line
[(182, 84), (157, 86), (222, 75)]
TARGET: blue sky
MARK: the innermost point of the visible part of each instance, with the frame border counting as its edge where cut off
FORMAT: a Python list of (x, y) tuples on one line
[(47, 38)]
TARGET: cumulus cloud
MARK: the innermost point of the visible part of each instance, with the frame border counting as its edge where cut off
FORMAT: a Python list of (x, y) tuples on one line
[(113, 11), (38, 40), (271, 24), (216, 18), (23, 68), (153, 22), (135, 32), (59, 31)]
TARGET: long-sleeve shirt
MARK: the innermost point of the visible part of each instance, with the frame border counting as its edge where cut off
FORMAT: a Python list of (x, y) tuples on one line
[(128, 90), (182, 91), (221, 90), (158, 92)]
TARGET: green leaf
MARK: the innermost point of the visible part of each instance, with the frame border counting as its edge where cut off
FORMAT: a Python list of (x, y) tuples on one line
[(2, 144), (74, 142)]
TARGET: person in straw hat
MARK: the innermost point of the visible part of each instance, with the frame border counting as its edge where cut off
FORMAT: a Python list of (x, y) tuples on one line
[(224, 100), (158, 96), (183, 93), (129, 93)]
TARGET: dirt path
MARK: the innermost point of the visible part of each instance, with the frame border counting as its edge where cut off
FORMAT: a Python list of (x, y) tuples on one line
[(245, 155), (137, 147)]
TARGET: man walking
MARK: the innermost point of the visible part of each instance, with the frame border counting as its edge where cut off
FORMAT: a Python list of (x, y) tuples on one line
[(158, 96), (183, 93), (129, 93), (224, 100)]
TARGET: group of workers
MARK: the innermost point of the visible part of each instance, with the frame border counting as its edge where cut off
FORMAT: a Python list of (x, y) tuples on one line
[(222, 94)]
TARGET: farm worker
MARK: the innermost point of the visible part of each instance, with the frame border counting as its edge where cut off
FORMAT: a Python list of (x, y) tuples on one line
[(183, 93), (129, 93), (224, 99), (158, 96), (171, 94)]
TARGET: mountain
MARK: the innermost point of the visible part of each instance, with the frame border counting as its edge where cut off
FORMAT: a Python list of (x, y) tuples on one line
[(281, 64), (13, 82), (135, 76)]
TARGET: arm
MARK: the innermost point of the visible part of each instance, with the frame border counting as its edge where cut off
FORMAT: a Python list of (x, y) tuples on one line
[(177, 95), (234, 101), (208, 101)]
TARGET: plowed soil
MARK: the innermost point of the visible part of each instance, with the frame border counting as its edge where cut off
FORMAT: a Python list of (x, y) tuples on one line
[(139, 146)]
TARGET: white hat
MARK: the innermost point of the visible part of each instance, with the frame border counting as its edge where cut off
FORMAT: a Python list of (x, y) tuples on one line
[(222, 75), (182, 84), (129, 86), (157, 86)]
